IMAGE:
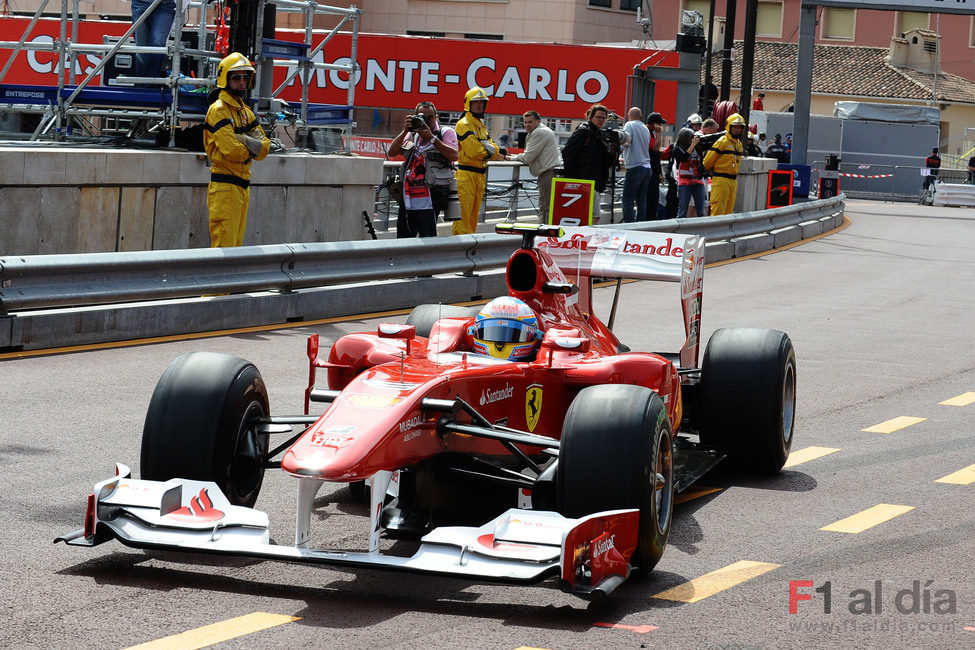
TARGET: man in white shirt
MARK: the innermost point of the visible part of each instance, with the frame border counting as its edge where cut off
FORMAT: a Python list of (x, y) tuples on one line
[(542, 155), (636, 158)]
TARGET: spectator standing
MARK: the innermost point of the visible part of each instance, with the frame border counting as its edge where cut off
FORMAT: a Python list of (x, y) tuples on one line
[(428, 171), (971, 170), (232, 138), (654, 124), (636, 159), (722, 161), (690, 173), (586, 154), (932, 162), (542, 155), (762, 143), (153, 32), (758, 104), (777, 150), (475, 150)]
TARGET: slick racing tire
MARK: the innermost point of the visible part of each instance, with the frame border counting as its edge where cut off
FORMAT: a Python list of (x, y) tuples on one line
[(201, 425), (617, 452), (748, 396), (423, 317)]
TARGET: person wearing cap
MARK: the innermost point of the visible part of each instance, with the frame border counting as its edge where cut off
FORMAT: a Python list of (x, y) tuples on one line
[(758, 104), (232, 138), (476, 148), (636, 159), (655, 123), (722, 161)]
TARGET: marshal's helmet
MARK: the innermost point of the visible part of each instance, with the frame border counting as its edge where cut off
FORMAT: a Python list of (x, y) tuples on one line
[(507, 328), (235, 62), (475, 94)]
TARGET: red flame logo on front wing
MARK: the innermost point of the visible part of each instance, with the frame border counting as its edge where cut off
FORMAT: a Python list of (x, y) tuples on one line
[(199, 509)]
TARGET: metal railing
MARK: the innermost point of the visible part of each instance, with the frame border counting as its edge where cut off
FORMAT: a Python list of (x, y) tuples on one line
[(885, 182), (58, 281)]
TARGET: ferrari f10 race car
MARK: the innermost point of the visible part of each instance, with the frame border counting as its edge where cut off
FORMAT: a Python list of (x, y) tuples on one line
[(518, 442)]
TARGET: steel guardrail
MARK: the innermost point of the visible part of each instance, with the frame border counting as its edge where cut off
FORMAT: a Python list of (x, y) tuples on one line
[(38, 282)]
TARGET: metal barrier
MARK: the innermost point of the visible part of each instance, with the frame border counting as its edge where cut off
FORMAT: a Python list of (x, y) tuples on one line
[(48, 281), (507, 192), (885, 182)]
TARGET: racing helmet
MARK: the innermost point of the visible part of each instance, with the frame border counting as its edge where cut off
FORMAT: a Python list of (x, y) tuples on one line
[(507, 328), (473, 95), (234, 62)]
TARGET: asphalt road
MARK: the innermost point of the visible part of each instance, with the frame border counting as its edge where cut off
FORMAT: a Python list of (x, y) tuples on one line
[(882, 316)]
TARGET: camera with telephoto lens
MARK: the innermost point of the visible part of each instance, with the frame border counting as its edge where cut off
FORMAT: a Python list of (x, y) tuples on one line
[(614, 134), (417, 122)]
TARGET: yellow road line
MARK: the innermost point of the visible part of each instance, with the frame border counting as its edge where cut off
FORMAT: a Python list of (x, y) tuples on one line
[(962, 400), (869, 518), (695, 494), (716, 581), (896, 424), (323, 321), (807, 454), (961, 477), (208, 635)]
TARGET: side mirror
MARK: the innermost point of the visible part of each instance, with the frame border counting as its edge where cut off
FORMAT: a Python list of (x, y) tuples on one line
[(571, 344), (397, 331)]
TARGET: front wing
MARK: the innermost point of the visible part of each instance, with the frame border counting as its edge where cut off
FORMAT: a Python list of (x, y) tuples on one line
[(589, 555)]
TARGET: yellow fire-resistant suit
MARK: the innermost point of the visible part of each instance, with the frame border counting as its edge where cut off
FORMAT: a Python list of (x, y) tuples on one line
[(228, 194), (471, 164), (722, 161)]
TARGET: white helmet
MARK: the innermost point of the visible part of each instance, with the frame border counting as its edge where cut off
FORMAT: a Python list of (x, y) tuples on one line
[(694, 118)]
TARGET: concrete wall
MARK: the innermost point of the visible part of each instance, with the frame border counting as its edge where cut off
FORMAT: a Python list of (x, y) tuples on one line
[(58, 200)]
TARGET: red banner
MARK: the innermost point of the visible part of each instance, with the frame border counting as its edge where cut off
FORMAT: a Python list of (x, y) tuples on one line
[(559, 81)]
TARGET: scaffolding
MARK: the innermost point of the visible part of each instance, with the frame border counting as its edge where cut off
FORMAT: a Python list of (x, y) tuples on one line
[(169, 105)]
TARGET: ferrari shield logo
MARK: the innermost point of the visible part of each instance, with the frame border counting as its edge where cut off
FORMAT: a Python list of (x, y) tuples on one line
[(533, 405)]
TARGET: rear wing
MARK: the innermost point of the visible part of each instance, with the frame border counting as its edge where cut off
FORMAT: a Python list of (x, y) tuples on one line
[(639, 255)]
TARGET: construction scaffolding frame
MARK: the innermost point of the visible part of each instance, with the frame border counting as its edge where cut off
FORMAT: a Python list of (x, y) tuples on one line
[(83, 101)]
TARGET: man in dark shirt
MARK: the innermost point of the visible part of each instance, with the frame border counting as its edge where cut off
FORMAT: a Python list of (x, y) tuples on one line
[(932, 162), (971, 170)]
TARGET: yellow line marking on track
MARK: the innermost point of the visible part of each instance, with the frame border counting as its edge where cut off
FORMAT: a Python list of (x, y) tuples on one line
[(336, 319), (716, 581), (869, 518), (208, 635), (807, 454), (961, 477), (896, 424), (695, 494), (962, 400)]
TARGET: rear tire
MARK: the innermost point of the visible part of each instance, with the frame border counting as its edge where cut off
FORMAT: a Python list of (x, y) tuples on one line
[(423, 317), (617, 452), (748, 394), (201, 425)]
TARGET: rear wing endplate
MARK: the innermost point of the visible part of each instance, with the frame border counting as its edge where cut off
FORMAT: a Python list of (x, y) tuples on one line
[(639, 255)]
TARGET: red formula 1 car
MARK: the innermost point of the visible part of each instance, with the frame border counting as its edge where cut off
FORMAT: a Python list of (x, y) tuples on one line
[(563, 462)]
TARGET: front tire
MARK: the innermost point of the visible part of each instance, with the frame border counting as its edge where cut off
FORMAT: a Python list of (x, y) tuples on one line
[(748, 395), (201, 425), (617, 452)]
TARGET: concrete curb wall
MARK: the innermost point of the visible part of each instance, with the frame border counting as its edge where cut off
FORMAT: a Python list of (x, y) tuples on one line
[(55, 201), (303, 282)]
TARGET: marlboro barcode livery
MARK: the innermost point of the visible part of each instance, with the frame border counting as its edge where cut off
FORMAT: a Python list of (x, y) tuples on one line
[(566, 456)]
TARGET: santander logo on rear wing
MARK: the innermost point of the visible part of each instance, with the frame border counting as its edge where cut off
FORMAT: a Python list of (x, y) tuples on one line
[(639, 255)]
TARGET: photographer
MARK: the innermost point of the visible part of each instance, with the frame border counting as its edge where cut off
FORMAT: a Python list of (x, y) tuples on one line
[(428, 172), (586, 155), (690, 173)]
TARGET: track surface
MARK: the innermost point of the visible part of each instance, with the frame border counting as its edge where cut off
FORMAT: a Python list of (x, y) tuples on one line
[(882, 317)]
